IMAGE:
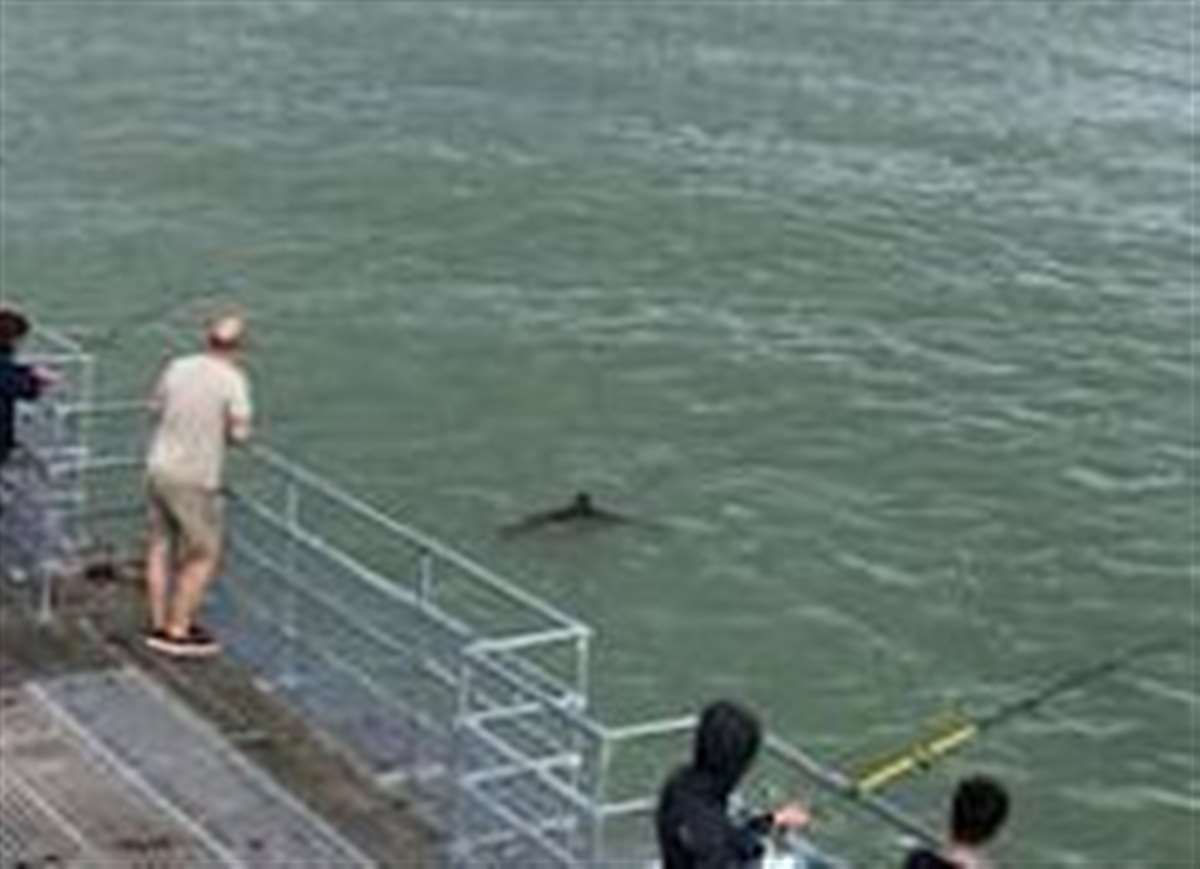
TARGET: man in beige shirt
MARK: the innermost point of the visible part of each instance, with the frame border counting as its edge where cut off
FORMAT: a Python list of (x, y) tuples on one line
[(202, 402)]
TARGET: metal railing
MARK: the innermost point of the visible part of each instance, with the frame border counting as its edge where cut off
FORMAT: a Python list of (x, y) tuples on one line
[(435, 675)]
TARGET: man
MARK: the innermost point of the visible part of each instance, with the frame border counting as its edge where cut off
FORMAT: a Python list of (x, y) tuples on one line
[(979, 810), (29, 532), (202, 402), (693, 824)]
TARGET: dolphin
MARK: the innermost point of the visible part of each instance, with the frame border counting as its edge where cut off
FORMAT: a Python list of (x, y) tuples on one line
[(580, 510)]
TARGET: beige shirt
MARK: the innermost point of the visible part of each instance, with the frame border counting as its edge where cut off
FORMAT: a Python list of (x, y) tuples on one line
[(196, 397)]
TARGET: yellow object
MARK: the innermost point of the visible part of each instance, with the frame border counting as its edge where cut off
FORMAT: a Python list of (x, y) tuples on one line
[(959, 728), (918, 755)]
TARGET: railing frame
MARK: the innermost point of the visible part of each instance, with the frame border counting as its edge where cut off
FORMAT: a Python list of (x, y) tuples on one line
[(495, 681)]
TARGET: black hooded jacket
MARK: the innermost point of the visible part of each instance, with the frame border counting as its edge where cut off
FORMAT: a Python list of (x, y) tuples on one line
[(17, 383), (694, 829)]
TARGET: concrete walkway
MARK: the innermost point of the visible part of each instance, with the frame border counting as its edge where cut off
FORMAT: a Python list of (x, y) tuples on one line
[(113, 755)]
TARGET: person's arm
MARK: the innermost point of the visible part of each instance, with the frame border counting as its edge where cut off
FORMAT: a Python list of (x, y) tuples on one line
[(750, 835), (23, 383), (240, 414), (726, 849), (792, 816), (758, 826), (47, 378), (716, 843)]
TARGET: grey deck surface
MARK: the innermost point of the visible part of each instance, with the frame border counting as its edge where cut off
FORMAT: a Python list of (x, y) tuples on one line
[(195, 776), (97, 630), (62, 804)]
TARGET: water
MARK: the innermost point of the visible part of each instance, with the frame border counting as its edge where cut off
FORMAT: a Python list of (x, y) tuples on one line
[(884, 310)]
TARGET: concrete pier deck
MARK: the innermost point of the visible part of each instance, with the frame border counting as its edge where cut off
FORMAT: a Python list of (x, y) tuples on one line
[(112, 755)]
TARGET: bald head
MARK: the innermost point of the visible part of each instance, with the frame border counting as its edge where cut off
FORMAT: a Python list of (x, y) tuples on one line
[(226, 333)]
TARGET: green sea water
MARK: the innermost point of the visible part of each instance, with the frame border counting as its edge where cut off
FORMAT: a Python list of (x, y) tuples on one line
[(884, 311)]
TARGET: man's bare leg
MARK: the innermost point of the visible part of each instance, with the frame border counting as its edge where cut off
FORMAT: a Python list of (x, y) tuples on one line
[(194, 578), (158, 565)]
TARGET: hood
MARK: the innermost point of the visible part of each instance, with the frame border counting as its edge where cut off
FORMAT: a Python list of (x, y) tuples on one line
[(727, 741)]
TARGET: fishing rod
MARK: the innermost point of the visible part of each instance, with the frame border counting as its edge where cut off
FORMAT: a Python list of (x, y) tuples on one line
[(959, 729), (840, 785)]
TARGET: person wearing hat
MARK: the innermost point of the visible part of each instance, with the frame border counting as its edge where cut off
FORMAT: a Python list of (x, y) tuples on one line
[(201, 403), (30, 536)]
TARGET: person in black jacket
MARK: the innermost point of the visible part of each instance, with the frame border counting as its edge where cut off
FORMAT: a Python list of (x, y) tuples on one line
[(693, 825), (30, 535), (17, 382)]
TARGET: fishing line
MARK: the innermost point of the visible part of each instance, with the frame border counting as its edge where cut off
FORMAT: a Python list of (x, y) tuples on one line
[(956, 730)]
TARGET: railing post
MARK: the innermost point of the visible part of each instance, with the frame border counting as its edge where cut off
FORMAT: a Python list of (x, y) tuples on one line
[(292, 507), (595, 853), (582, 671), (425, 577), (459, 844), (422, 751), (289, 677), (84, 425)]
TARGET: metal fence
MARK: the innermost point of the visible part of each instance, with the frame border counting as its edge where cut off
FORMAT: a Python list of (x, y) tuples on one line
[(436, 676)]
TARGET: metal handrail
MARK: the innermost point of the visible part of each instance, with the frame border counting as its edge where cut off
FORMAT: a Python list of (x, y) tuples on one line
[(517, 642), (660, 727), (576, 718), (417, 538), (361, 571), (425, 543), (63, 340), (516, 823), (578, 800)]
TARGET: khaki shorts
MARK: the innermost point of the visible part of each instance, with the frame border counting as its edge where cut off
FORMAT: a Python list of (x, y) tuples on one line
[(189, 514)]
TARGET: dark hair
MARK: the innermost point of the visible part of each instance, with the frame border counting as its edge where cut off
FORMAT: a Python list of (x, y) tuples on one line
[(13, 327), (980, 808), (727, 741)]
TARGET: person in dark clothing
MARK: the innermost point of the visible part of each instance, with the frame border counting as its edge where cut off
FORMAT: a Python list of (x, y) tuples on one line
[(693, 824), (31, 536), (979, 810), (17, 382)]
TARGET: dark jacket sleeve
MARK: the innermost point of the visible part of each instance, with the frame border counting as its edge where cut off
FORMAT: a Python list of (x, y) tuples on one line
[(749, 836), (923, 858), (719, 844), (18, 382)]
